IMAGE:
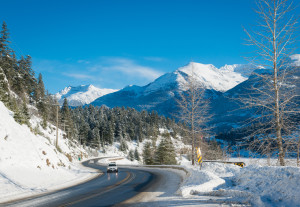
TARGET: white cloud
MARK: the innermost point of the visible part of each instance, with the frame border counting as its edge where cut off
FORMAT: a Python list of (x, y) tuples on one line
[(109, 72), (131, 68)]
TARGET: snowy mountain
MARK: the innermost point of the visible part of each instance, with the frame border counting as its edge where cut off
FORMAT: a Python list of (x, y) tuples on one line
[(222, 86), (81, 95), (230, 113), (206, 75), (160, 95)]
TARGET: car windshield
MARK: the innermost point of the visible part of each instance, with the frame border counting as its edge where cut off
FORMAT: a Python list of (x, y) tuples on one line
[(112, 164)]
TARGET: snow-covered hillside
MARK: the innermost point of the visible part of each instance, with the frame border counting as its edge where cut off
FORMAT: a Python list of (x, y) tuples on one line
[(29, 160), (81, 95)]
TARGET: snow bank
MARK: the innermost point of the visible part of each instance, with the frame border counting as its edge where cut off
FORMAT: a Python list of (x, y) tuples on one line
[(278, 186), (207, 179), (254, 184)]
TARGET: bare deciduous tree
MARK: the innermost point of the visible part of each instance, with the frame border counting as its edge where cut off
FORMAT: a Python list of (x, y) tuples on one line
[(194, 109), (275, 98)]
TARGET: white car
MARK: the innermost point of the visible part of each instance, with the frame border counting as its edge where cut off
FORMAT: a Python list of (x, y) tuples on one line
[(112, 167)]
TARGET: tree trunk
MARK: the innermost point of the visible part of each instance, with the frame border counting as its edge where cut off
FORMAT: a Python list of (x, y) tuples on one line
[(193, 145), (276, 89), (278, 125)]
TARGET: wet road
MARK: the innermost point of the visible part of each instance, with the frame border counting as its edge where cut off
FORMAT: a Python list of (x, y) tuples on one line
[(107, 189)]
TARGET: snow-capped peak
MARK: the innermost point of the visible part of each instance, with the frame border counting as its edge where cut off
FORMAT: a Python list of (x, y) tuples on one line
[(206, 75), (211, 77), (81, 95)]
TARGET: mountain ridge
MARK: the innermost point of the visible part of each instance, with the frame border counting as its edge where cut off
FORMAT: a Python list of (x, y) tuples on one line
[(81, 95), (161, 94)]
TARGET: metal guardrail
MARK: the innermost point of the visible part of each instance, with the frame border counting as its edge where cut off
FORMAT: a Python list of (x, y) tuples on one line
[(241, 164)]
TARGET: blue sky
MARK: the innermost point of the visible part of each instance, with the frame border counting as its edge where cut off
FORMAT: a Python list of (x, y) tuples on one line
[(114, 43)]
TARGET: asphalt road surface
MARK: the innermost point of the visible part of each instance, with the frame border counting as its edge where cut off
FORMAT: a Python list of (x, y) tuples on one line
[(107, 189)]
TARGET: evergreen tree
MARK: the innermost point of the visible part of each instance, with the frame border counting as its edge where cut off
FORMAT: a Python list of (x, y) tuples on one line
[(39, 91), (18, 114), (28, 75), (6, 61), (65, 112), (131, 155), (123, 146), (119, 131), (140, 136), (25, 112), (95, 138), (18, 84), (83, 133), (165, 153), (39, 97), (109, 133), (66, 119), (136, 155), (148, 154), (4, 92), (4, 40)]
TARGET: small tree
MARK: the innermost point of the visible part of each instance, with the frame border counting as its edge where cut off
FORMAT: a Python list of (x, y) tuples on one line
[(131, 155), (165, 153), (25, 112), (4, 92), (136, 155), (194, 109), (123, 146), (148, 154)]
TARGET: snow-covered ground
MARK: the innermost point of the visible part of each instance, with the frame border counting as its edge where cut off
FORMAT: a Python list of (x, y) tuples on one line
[(30, 162), (256, 184)]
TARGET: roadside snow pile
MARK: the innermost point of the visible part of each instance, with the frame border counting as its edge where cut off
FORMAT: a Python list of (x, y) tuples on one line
[(30, 163), (207, 179), (257, 185), (276, 186)]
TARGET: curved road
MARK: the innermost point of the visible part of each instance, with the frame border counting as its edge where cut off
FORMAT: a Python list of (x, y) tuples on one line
[(107, 189)]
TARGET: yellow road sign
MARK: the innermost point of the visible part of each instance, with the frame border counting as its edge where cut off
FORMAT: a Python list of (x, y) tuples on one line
[(241, 164), (199, 156)]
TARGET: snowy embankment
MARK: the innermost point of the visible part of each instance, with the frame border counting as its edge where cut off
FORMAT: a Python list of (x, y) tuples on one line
[(30, 162), (254, 184)]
